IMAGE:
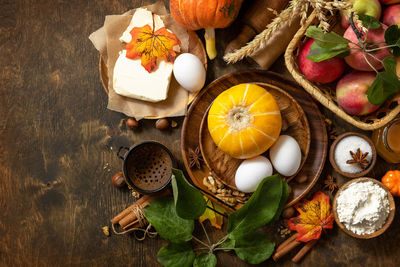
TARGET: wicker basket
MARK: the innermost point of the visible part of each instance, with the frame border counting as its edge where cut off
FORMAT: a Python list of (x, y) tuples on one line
[(325, 94)]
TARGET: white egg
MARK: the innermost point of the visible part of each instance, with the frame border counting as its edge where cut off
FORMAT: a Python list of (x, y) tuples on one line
[(285, 155), (251, 172), (189, 72)]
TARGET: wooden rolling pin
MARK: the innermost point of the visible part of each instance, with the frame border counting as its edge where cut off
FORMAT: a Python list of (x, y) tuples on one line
[(277, 43), (254, 20)]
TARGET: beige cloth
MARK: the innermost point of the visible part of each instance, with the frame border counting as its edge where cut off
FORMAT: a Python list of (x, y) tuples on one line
[(106, 41)]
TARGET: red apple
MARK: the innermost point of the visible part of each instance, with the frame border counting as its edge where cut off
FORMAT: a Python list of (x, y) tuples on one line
[(389, 2), (351, 93), (367, 7), (356, 59), (391, 16), (323, 72)]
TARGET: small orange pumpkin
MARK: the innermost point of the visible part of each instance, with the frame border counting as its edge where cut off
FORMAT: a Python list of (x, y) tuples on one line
[(244, 121), (392, 181), (209, 14)]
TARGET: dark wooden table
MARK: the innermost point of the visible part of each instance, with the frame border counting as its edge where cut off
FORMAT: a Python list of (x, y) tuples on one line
[(58, 144)]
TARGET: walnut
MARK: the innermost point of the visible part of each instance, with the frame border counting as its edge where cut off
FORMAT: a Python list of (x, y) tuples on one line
[(106, 230), (229, 196), (238, 194), (210, 186), (219, 183)]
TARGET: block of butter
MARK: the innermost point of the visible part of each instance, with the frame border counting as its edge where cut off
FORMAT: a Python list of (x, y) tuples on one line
[(130, 78)]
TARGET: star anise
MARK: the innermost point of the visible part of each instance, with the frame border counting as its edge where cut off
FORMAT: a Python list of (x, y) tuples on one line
[(330, 184), (331, 130), (359, 158), (195, 158)]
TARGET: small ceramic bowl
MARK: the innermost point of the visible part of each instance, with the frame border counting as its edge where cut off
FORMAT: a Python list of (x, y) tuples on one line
[(347, 174), (389, 219)]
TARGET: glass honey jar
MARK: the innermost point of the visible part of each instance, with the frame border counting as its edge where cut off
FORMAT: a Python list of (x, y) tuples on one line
[(387, 141)]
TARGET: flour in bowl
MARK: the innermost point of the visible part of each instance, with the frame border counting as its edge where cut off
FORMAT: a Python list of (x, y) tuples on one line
[(363, 207)]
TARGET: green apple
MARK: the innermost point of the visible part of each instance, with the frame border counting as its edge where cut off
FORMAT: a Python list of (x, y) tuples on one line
[(367, 7)]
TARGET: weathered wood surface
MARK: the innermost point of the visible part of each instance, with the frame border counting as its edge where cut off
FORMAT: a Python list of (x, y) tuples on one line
[(58, 144)]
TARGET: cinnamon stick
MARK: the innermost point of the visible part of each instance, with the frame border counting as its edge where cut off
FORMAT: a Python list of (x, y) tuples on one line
[(284, 250), (286, 242), (131, 224), (131, 217), (143, 201), (128, 210), (303, 251)]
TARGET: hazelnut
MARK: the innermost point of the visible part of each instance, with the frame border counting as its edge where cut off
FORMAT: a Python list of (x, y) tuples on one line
[(162, 124), (131, 123), (118, 180), (288, 213)]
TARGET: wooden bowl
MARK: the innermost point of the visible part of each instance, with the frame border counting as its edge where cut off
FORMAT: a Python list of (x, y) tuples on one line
[(346, 174), (196, 48), (388, 222), (295, 124)]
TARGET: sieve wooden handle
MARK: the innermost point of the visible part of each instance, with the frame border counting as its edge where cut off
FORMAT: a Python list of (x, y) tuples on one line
[(119, 151)]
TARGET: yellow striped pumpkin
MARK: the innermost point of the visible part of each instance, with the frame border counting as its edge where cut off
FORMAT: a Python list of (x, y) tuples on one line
[(244, 121)]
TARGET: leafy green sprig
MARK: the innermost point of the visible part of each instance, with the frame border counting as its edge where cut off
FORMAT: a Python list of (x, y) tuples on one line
[(328, 45), (173, 218)]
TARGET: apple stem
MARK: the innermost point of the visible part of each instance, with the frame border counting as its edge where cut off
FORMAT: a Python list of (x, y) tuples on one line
[(372, 67), (379, 48), (372, 55)]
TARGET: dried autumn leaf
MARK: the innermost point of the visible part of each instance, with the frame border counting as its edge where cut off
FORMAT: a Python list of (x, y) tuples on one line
[(151, 46), (315, 215), (215, 219)]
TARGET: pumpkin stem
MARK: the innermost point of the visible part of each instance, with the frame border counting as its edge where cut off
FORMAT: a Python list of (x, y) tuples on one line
[(210, 43), (239, 118)]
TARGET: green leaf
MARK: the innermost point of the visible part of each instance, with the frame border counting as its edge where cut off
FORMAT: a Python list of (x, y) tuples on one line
[(205, 260), (326, 45), (162, 215), (318, 54), (176, 255), (258, 210), (228, 244), (392, 37), (189, 202), (254, 248), (386, 84), (325, 40), (282, 203), (369, 22), (390, 64)]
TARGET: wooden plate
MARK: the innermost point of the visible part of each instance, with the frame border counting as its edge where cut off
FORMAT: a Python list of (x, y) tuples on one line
[(196, 47), (295, 124), (315, 161)]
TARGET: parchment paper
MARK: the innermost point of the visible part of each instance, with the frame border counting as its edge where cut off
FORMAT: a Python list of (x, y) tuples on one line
[(106, 41)]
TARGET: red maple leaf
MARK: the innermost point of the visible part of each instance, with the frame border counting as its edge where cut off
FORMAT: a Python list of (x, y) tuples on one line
[(315, 216), (151, 46)]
